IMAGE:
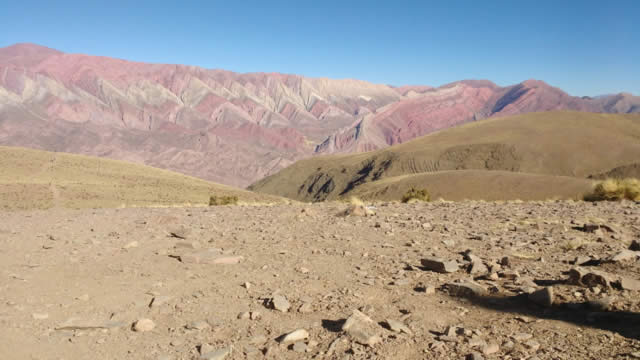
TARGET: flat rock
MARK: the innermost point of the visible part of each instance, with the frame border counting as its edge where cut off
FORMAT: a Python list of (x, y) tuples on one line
[(532, 345), (210, 256), (159, 300), (466, 288), (144, 325), (362, 329), (280, 303), (491, 348), (398, 326), (305, 308), (627, 283), (299, 347), (439, 265), (581, 260), (478, 268), (522, 337), (187, 245), (198, 325), (624, 255)]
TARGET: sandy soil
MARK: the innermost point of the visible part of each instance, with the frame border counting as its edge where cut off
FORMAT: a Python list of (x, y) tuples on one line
[(75, 283)]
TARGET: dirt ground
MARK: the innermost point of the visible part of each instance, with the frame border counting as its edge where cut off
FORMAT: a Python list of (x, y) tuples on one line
[(78, 284)]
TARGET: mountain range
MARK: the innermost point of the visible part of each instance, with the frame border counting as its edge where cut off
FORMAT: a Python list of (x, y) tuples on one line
[(236, 128)]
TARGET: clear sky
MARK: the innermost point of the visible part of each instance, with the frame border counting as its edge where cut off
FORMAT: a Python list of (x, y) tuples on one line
[(584, 47)]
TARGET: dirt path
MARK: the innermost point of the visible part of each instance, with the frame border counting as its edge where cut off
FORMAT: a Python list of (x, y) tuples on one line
[(73, 282)]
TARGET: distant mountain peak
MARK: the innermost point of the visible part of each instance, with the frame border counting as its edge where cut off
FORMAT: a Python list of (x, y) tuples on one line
[(236, 128)]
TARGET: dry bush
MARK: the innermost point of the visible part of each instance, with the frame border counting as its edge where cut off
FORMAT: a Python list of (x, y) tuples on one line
[(615, 190), (573, 244), (357, 208), (222, 200), (414, 195)]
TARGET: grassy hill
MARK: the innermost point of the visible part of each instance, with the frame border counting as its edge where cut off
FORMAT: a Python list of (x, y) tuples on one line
[(477, 185), (33, 179), (570, 144)]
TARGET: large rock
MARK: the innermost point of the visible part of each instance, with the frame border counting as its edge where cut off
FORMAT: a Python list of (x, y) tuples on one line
[(440, 265), (466, 288), (362, 329)]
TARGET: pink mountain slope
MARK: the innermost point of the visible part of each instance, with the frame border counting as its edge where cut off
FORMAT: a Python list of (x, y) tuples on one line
[(458, 103), (234, 128), (227, 127)]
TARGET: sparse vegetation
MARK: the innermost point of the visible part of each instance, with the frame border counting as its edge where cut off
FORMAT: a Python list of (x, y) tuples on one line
[(501, 163), (615, 190), (573, 244), (357, 208), (34, 179), (414, 195), (222, 200)]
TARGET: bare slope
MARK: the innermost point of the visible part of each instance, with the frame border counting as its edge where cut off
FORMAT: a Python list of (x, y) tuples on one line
[(39, 179), (459, 185), (554, 143)]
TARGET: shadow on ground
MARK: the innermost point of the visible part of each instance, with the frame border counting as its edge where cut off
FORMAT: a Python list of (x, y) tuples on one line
[(625, 323)]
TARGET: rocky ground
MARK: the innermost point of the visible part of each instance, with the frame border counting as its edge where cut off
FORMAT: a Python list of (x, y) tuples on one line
[(548, 280)]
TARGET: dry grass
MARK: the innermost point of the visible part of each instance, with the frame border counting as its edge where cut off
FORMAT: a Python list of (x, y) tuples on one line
[(573, 244), (414, 195), (615, 190), (459, 185), (222, 200), (33, 179), (357, 208), (533, 143)]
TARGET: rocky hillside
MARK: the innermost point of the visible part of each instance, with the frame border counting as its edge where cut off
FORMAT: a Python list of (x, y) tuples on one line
[(235, 128), (574, 144)]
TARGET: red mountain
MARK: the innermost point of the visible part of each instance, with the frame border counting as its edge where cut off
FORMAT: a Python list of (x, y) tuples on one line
[(234, 128), (462, 102)]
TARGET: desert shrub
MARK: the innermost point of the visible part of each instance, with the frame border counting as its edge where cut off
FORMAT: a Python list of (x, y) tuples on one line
[(573, 244), (357, 208), (414, 194), (222, 200), (615, 190)]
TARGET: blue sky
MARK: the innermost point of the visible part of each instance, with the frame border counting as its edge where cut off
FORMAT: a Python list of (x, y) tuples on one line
[(585, 47)]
